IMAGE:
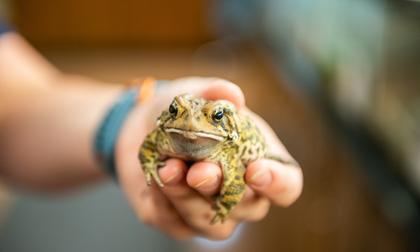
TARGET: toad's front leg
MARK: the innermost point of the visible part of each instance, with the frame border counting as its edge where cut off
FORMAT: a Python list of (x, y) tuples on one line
[(233, 188), (149, 159)]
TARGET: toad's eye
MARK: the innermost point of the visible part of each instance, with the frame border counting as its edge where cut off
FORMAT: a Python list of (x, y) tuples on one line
[(173, 109), (218, 115)]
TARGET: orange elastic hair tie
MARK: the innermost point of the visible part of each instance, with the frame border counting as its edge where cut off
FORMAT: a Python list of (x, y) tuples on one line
[(146, 89)]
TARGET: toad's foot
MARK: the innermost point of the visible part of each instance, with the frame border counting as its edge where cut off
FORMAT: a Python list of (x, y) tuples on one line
[(151, 173)]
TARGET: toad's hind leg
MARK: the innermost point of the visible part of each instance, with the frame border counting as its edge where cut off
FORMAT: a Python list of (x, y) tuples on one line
[(232, 191)]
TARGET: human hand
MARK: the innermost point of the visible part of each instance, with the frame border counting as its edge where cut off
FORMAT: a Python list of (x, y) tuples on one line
[(182, 209)]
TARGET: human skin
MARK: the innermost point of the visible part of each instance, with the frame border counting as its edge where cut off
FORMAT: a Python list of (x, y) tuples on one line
[(48, 121)]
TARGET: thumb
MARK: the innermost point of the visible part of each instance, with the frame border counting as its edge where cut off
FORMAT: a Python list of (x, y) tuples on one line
[(219, 89), (281, 183), (211, 89)]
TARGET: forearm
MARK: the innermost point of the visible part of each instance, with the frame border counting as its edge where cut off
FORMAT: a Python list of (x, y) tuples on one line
[(47, 120), (21, 64), (46, 135)]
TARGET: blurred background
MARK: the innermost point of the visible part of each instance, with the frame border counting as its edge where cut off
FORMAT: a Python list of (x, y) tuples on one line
[(339, 81)]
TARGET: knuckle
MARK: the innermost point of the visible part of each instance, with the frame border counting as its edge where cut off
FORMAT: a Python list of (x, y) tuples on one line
[(282, 201), (177, 192), (285, 200), (260, 214), (218, 79), (182, 236), (222, 81), (147, 217), (222, 232), (290, 195), (200, 220)]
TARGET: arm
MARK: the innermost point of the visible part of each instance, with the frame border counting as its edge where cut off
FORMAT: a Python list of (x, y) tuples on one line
[(48, 121), (46, 125), (46, 135)]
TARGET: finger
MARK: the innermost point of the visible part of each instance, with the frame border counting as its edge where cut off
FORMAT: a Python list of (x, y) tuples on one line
[(150, 205), (280, 183), (220, 89), (193, 208), (205, 178), (173, 172), (210, 88), (251, 208), (155, 210), (184, 198), (173, 176)]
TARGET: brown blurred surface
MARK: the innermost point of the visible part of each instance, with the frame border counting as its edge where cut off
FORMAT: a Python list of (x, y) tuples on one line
[(336, 211), (110, 22)]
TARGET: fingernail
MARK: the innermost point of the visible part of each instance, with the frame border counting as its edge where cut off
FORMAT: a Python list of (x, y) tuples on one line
[(170, 178), (174, 175), (205, 182), (261, 178)]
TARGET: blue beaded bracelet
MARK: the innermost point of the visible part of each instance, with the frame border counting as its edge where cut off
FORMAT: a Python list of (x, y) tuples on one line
[(109, 130)]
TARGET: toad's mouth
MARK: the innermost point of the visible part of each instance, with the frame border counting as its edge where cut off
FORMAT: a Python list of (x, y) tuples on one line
[(195, 134)]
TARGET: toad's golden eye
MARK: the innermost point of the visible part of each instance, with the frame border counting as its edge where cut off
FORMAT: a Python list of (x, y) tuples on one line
[(218, 115), (173, 109)]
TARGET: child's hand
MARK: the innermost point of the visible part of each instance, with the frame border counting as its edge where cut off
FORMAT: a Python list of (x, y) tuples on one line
[(182, 208)]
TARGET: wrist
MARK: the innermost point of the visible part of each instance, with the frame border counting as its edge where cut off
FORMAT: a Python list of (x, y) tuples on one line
[(109, 129), (99, 103), (111, 126)]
